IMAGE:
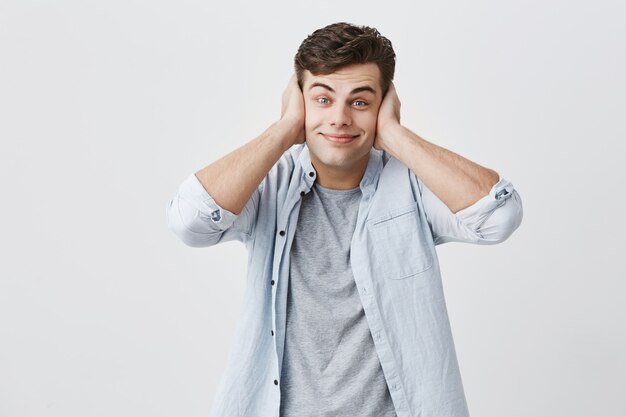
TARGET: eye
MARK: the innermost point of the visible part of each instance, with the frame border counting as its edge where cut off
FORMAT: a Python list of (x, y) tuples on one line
[(323, 100), (359, 103)]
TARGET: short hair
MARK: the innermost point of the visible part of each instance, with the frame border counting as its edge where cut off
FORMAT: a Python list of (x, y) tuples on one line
[(341, 44)]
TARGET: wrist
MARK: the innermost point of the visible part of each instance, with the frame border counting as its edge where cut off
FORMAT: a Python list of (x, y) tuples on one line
[(389, 133), (287, 132)]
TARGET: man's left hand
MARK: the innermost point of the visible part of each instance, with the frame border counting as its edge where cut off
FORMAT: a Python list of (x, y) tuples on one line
[(388, 118)]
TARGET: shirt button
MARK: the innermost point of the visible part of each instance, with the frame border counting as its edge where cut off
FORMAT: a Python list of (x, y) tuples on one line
[(272, 332), (216, 216), (282, 233), (311, 174), (272, 282), (501, 193), (302, 193), (275, 382)]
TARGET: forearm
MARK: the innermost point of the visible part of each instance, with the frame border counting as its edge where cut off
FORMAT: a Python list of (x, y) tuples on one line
[(457, 181), (232, 179)]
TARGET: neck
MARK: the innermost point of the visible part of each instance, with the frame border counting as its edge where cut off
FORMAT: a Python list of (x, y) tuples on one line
[(340, 178)]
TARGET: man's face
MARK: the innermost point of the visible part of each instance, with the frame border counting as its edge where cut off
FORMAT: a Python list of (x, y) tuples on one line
[(341, 110)]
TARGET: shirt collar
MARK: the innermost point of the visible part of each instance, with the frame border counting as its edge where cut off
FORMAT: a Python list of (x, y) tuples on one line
[(370, 177)]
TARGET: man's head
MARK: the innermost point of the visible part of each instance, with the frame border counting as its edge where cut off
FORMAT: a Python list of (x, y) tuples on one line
[(341, 44), (344, 72)]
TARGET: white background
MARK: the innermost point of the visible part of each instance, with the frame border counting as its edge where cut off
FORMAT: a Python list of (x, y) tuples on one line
[(105, 107)]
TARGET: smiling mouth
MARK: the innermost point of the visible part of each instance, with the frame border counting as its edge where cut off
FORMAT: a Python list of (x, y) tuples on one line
[(339, 138)]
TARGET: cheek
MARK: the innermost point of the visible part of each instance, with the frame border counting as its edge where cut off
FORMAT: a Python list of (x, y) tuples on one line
[(312, 118), (367, 121)]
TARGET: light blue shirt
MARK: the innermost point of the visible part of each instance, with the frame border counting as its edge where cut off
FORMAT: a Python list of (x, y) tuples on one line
[(395, 268)]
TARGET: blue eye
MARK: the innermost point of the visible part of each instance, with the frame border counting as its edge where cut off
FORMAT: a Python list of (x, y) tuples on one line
[(360, 103), (323, 100)]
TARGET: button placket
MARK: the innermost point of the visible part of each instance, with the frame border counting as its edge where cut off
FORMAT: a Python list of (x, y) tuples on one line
[(281, 233)]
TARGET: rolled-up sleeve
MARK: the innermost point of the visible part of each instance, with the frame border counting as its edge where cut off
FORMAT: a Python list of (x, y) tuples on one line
[(490, 220), (196, 218)]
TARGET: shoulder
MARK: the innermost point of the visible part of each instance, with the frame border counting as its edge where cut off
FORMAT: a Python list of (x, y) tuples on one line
[(397, 181), (291, 158), (286, 168), (393, 169)]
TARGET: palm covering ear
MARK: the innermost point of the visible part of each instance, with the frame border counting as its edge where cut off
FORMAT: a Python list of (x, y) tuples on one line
[(292, 108), (388, 115)]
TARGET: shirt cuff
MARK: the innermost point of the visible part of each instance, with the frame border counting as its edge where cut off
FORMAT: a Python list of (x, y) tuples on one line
[(476, 214), (192, 191)]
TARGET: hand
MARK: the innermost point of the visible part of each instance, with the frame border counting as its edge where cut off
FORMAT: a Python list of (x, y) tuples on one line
[(388, 117), (292, 111)]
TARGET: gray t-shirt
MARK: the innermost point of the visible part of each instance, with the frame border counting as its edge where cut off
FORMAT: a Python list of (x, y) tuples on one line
[(330, 365)]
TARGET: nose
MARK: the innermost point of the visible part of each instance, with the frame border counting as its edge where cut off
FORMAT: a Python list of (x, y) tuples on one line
[(340, 116)]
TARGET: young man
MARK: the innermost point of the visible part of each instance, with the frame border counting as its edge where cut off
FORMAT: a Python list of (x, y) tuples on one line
[(341, 207)]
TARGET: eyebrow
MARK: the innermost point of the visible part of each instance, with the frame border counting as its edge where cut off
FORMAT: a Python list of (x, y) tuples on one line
[(355, 91)]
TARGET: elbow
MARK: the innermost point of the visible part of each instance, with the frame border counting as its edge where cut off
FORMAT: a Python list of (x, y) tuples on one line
[(183, 226), (502, 222)]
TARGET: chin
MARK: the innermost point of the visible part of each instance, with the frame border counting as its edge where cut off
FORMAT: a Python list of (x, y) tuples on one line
[(338, 158)]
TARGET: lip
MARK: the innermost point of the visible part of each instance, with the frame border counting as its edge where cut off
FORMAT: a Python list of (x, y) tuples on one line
[(339, 138)]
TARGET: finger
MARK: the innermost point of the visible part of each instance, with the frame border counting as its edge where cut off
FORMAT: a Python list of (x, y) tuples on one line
[(294, 80), (392, 90), (389, 89)]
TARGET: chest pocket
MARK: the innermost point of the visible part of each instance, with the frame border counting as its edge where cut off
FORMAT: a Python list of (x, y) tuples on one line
[(400, 248)]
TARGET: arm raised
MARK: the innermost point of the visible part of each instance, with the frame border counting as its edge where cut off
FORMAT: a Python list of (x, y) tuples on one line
[(251, 162), (463, 200), (456, 180), (219, 202)]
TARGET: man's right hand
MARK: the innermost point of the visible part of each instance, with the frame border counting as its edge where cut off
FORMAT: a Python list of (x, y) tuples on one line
[(292, 112)]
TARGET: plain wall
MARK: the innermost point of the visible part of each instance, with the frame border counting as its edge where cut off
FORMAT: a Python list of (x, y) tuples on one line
[(105, 107)]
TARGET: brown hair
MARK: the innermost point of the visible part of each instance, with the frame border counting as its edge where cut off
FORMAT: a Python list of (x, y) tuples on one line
[(340, 44)]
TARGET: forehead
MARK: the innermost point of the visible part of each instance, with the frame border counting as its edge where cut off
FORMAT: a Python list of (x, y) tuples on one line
[(347, 78)]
